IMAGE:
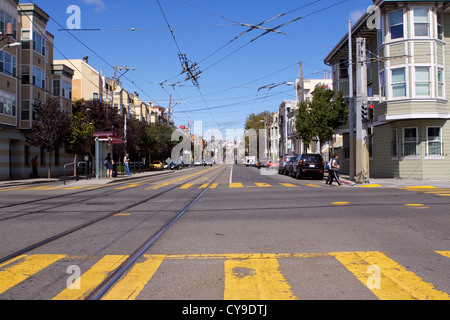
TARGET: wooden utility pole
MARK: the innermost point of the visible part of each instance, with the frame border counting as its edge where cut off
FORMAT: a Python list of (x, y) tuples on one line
[(351, 105), (362, 150), (115, 81)]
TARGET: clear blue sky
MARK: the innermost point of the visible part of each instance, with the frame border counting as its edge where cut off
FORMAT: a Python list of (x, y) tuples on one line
[(230, 76)]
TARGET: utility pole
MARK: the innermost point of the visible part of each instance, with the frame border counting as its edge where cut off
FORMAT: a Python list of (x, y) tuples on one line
[(362, 150), (351, 104), (300, 83), (116, 81)]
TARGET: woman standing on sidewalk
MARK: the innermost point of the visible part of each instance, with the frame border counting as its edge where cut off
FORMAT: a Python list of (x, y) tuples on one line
[(126, 160), (333, 171)]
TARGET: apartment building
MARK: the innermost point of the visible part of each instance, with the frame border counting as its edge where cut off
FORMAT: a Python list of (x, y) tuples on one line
[(27, 74), (407, 58)]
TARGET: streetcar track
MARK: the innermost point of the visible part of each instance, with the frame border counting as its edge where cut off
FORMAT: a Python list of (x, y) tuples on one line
[(93, 221), (115, 184), (109, 193), (115, 276)]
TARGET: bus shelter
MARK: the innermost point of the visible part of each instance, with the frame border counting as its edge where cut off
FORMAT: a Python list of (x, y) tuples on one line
[(103, 145)]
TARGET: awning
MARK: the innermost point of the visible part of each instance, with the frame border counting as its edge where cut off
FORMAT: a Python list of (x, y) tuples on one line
[(108, 136)]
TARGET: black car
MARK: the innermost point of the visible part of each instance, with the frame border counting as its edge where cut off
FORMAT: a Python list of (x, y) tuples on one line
[(308, 164), (286, 164), (175, 166)]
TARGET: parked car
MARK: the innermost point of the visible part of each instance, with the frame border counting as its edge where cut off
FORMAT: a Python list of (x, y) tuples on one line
[(175, 166), (273, 164), (156, 165), (197, 163), (262, 162), (286, 164), (308, 164)]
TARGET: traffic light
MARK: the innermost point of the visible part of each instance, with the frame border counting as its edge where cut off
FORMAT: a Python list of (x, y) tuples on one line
[(365, 112), (371, 112)]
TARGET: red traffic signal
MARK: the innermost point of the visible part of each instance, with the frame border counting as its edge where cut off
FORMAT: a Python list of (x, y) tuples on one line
[(371, 112)]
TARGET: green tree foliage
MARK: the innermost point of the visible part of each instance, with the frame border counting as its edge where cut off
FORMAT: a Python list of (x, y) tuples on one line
[(160, 141), (304, 124), (327, 111), (256, 121), (50, 128)]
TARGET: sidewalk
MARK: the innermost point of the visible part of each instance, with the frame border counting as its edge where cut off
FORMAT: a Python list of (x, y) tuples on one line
[(82, 180), (395, 182)]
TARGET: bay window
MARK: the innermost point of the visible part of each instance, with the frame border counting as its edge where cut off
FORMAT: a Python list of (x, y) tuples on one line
[(398, 82), (421, 22), (396, 24), (423, 82)]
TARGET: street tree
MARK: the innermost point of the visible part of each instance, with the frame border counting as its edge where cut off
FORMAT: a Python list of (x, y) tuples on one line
[(327, 111), (50, 128), (304, 124)]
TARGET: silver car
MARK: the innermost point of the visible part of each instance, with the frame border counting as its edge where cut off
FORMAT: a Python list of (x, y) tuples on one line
[(285, 165)]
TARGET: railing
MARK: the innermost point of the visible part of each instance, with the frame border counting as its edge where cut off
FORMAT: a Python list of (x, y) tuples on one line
[(435, 149), (409, 149), (86, 166)]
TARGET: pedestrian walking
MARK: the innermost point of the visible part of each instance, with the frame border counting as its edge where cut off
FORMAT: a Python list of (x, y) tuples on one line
[(109, 165), (333, 173), (126, 160), (34, 165)]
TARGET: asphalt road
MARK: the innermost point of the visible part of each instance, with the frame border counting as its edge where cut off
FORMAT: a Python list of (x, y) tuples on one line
[(252, 235)]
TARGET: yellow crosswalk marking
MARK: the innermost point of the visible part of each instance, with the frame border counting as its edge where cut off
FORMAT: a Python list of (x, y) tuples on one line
[(290, 185), (10, 189), (39, 188), (129, 287), (392, 282), (23, 267), (247, 276), (444, 253), (127, 186), (255, 279), (186, 185), (312, 185), (262, 184), (92, 278), (236, 185)]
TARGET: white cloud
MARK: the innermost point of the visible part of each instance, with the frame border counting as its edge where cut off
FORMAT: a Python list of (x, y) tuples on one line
[(356, 14), (99, 5)]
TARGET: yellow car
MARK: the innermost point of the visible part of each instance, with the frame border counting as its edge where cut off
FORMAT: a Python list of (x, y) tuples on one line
[(156, 165)]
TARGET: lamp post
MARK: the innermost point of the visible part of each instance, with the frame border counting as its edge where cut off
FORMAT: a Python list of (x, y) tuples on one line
[(10, 45)]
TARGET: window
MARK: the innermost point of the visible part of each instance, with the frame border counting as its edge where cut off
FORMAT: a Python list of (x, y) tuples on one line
[(410, 142), (38, 77), (66, 90), (7, 103), (4, 20), (440, 27), (26, 39), (440, 82), (25, 110), (343, 69), (8, 64), (421, 22), (394, 150), (380, 31), (423, 81), (56, 88), (25, 74), (38, 43), (434, 145), (396, 24), (398, 83)]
